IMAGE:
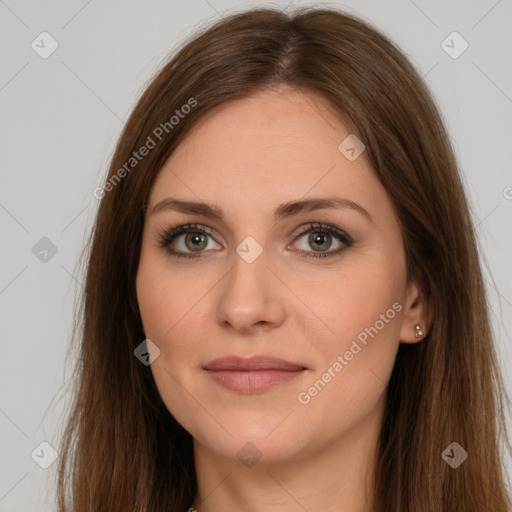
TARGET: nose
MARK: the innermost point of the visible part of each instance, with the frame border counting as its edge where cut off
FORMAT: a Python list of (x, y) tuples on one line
[(252, 298)]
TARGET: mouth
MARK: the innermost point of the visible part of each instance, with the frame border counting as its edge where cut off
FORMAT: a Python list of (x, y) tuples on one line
[(252, 375)]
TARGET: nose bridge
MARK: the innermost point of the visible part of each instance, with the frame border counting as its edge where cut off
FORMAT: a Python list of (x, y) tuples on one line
[(250, 294), (250, 266)]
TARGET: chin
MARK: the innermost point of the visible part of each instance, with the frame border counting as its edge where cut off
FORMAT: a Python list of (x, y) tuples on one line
[(252, 446)]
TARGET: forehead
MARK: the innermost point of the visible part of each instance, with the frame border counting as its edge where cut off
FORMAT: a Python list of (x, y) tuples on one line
[(266, 148)]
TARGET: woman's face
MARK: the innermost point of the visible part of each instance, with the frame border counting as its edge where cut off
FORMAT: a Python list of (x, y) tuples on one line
[(272, 331)]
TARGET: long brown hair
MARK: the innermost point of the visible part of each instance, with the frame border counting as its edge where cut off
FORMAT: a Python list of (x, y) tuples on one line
[(122, 450)]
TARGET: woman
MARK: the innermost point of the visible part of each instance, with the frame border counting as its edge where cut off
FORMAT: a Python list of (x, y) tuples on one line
[(284, 307)]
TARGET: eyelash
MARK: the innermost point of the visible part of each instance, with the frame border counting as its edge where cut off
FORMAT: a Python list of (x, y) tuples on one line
[(168, 235)]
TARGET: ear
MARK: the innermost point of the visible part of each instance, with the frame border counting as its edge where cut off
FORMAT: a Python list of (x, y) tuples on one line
[(416, 313)]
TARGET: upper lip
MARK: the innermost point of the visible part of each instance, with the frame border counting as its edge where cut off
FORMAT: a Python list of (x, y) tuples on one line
[(252, 364)]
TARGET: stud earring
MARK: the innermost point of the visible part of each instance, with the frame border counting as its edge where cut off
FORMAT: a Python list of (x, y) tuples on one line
[(419, 332)]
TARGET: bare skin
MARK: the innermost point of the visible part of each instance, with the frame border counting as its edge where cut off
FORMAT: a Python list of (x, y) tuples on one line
[(309, 450)]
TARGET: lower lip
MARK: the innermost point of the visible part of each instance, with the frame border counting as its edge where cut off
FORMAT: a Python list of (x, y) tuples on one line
[(254, 381)]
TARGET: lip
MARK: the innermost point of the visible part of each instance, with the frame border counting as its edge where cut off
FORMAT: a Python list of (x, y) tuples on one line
[(252, 375)]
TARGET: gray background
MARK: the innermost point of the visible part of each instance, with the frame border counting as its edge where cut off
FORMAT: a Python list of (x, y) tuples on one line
[(60, 118)]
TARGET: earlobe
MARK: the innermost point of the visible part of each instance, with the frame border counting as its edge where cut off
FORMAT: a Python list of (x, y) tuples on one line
[(415, 320)]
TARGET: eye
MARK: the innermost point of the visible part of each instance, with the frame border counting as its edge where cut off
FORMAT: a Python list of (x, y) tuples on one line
[(187, 240), (320, 238), (191, 240)]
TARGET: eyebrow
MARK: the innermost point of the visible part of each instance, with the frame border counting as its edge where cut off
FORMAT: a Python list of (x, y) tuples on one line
[(282, 211)]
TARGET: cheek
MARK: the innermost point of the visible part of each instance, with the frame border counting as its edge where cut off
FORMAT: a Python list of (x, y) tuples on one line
[(172, 307), (167, 298), (358, 336), (356, 304), (168, 313)]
